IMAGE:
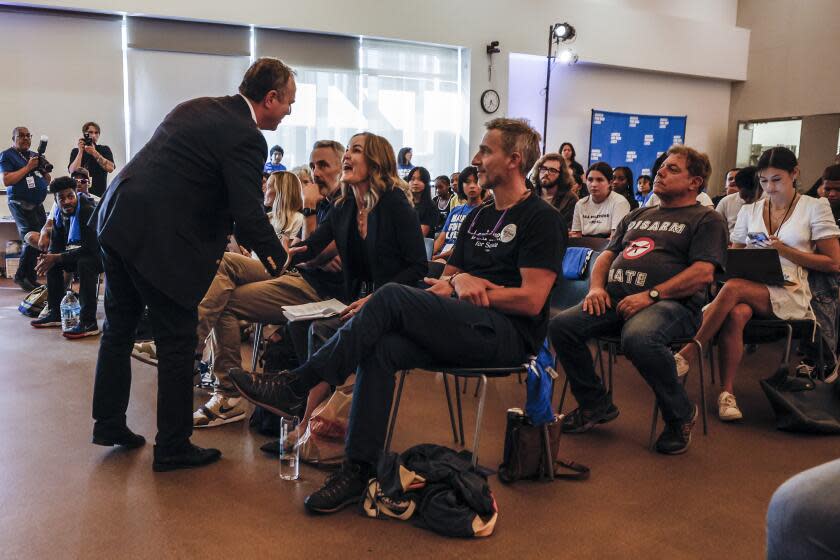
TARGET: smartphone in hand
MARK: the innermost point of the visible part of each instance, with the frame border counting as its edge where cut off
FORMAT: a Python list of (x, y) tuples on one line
[(758, 238)]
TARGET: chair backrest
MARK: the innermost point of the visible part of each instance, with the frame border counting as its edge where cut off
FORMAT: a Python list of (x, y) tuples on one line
[(568, 293), (430, 247), (596, 243)]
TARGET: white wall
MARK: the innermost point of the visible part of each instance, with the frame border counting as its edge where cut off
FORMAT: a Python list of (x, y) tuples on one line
[(577, 89), (675, 36)]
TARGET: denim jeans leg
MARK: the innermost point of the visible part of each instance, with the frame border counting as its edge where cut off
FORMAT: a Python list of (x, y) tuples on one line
[(646, 339), (569, 332)]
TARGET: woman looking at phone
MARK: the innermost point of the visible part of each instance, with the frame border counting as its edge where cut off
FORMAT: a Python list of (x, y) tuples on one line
[(804, 233)]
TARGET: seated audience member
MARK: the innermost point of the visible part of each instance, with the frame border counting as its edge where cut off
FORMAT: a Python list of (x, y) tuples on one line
[(831, 188), (746, 190), (622, 183), (268, 199), (473, 193), (644, 188), (816, 189), (404, 162), (41, 240), (598, 214), (243, 289), (804, 233), (443, 199), (419, 184), (73, 247), (26, 189), (729, 186), (96, 158), (648, 285), (275, 157), (303, 174), (393, 252), (567, 150), (456, 200), (285, 215), (504, 264), (551, 179), (804, 514)]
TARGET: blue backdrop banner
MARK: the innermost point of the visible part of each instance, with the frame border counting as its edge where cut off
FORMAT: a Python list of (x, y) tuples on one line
[(632, 140)]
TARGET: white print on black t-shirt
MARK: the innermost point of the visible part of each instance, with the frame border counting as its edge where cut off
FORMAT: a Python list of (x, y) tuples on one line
[(639, 248), (508, 233), (627, 276), (672, 227)]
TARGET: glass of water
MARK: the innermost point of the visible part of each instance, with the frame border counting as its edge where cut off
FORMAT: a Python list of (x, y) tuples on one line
[(289, 468)]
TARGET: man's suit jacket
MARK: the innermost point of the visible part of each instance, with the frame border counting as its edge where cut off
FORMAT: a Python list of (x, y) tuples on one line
[(394, 244), (169, 211), (89, 246)]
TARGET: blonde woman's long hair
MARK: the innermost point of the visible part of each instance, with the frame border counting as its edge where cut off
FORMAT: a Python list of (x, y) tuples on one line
[(382, 172), (288, 199)]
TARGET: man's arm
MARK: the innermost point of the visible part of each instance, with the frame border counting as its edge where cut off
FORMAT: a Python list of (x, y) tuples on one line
[(103, 160), (14, 177), (76, 156), (311, 197), (685, 284), (528, 299)]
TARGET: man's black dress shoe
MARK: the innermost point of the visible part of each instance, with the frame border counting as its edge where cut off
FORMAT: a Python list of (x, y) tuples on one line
[(117, 436), (187, 456)]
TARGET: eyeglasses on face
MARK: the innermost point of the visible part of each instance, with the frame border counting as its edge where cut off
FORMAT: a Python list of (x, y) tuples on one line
[(549, 170), (82, 180)]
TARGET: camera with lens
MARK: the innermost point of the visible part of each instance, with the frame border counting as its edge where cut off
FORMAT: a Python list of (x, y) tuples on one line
[(44, 166), (88, 140)]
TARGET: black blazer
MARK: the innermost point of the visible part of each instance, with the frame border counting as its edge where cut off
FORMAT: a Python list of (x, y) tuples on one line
[(394, 243), (89, 246), (171, 208)]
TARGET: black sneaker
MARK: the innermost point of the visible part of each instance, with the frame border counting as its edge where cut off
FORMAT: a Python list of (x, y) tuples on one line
[(676, 437), (582, 420), (82, 330), (187, 456), (47, 321), (272, 391), (341, 489), (121, 435)]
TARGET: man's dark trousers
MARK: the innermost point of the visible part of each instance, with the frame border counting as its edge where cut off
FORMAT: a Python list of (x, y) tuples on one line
[(174, 326), (645, 340), (27, 220), (401, 328), (88, 269)]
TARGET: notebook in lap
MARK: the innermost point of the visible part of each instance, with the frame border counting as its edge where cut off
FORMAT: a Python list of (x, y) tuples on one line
[(758, 265)]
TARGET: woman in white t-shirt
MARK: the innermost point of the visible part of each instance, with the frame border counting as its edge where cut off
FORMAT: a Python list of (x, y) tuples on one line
[(598, 214), (803, 231)]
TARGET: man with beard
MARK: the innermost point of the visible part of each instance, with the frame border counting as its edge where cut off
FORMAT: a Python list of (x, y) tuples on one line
[(243, 291), (551, 179), (73, 247)]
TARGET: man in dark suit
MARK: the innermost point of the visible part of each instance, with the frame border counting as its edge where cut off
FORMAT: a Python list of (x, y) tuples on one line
[(73, 248), (163, 225)]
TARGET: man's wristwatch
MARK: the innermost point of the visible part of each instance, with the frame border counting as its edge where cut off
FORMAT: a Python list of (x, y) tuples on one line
[(308, 212), (654, 294)]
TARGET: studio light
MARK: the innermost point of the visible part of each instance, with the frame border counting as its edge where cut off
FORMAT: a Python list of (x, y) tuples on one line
[(567, 56), (563, 32), (557, 33)]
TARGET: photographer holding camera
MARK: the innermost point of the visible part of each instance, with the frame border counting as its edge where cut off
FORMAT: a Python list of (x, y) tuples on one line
[(96, 158), (26, 175)]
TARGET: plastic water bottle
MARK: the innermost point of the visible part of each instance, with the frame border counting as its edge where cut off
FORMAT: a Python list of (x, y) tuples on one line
[(70, 311), (289, 467)]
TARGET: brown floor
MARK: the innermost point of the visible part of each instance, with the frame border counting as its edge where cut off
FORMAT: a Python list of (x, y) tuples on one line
[(65, 498)]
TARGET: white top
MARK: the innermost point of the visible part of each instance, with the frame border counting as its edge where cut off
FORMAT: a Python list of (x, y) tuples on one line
[(292, 229), (591, 218), (702, 198), (728, 207), (810, 221)]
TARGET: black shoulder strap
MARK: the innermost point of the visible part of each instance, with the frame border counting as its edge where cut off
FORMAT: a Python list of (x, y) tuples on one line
[(578, 471)]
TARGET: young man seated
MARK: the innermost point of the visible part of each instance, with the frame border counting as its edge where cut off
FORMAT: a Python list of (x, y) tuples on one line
[(73, 247), (648, 285), (492, 300)]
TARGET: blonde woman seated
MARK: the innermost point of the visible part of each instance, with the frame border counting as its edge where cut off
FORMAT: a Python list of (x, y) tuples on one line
[(803, 231)]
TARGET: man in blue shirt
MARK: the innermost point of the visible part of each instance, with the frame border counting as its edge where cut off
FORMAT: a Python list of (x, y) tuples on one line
[(273, 164), (26, 188)]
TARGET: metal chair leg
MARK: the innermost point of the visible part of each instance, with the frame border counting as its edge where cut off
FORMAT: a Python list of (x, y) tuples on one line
[(563, 395), (613, 360), (460, 410), (712, 361), (395, 410), (255, 355), (477, 385), (702, 385), (449, 406), (478, 417), (651, 440)]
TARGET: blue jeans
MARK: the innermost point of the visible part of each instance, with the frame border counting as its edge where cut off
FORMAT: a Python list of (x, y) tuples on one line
[(804, 516), (27, 220), (645, 340), (401, 328)]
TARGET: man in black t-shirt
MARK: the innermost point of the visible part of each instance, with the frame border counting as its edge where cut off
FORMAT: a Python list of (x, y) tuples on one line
[(648, 285), (489, 309), (96, 158)]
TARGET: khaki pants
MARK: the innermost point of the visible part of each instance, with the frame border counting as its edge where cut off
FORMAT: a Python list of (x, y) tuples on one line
[(243, 290)]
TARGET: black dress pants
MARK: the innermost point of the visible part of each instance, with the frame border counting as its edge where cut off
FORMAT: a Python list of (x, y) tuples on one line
[(400, 328), (174, 326), (88, 268), (27, 220)]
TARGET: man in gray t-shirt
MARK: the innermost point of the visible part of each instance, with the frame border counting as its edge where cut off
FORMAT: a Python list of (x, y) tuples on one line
[(648, 287)]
